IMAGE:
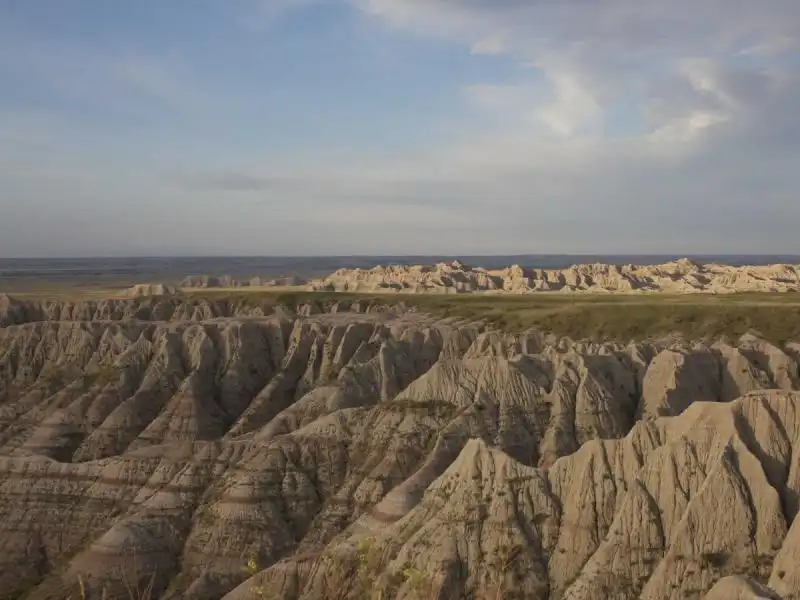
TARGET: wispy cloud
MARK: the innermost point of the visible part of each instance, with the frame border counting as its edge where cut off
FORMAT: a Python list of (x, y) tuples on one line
[(493, 44), (597, 55)]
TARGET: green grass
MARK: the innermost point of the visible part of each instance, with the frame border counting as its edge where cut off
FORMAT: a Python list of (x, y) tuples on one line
[(596, 317), (639, 320)]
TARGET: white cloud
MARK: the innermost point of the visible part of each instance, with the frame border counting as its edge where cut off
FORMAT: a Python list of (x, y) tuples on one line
[(492, 44), (573, 108), (687, 127), (776, 46), (598, 55)]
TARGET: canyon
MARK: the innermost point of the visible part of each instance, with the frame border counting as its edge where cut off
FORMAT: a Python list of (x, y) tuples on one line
[(204, 448)]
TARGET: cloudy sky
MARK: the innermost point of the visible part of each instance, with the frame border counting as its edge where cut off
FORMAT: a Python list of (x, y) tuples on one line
[(284, 127)]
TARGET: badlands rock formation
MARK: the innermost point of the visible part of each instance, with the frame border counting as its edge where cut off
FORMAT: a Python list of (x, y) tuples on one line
[(149, 289), (227, 281), (350, 452), (682, 276)]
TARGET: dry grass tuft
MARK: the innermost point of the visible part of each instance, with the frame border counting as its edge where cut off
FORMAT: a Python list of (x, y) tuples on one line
[(622, 317)]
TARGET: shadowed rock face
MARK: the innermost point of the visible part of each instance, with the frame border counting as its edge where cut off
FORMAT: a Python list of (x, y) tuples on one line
[(158, 443)]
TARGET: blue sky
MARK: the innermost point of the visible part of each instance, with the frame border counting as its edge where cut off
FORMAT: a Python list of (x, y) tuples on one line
[(281, 127)]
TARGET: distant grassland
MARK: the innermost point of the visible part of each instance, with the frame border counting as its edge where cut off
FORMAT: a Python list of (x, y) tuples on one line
[(596, 316), (621, 317)]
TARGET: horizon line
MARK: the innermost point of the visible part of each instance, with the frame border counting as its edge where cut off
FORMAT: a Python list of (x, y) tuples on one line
[(428, 255)]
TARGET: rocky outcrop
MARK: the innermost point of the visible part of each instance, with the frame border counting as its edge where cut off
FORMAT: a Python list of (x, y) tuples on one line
[(177, 309), (210, 281), (228, 281), (670, 511), (740, 588), (160, 444), (682, 276), (149, 289)]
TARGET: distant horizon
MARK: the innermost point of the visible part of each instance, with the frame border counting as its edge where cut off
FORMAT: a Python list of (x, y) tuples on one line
[(676, 255), (16, 273)]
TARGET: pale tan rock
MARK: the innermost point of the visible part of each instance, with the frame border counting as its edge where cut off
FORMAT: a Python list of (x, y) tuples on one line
[(229, 281), (676, 378), (739, 588), (663, 513), (149, 289), (682, 276)]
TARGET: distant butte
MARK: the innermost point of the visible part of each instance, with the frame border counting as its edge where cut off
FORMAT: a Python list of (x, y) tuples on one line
[(681, 276)]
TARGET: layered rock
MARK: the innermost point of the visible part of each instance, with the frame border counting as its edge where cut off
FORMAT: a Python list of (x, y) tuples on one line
[(228, 281), (149, 289), (161, 443), (672, 510), (682, 276), (174, 309)]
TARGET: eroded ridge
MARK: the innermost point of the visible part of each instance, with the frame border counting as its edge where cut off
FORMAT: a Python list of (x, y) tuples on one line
[(682, 276), (162, 450)]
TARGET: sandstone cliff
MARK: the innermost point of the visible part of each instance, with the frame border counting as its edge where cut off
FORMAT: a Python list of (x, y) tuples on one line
[(160, 443), (682, 276)]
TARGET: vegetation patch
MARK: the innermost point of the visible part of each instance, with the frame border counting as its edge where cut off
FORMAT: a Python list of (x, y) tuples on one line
[(622, 317)]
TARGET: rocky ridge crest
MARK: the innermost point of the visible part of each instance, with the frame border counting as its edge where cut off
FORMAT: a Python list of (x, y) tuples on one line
[(228, 281), (149, 289), (682, 276)]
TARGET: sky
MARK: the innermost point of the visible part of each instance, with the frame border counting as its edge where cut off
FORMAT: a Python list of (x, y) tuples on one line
[(340, 127)]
